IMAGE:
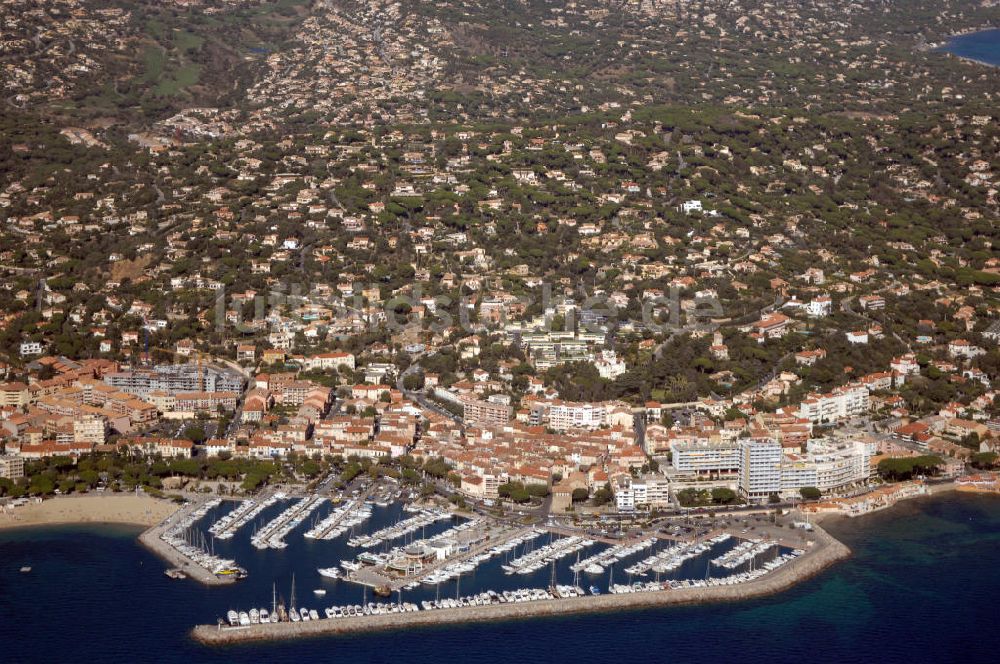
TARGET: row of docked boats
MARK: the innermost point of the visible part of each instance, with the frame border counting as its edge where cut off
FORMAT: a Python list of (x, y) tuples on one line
[(490, 597), (279, 614), (341, 520), (742, 553), (192, 544), (400, 529), (453, 570), (251, 617), (469, 565), (542, 556), (670, 559), (595, 564), (272, 536), (244, 513)]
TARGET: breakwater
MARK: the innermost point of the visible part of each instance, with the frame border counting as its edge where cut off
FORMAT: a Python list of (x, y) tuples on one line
[(153, 539), (825, 552)]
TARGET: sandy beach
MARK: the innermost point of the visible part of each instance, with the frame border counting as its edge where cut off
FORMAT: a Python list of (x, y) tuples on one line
[(108, 508)]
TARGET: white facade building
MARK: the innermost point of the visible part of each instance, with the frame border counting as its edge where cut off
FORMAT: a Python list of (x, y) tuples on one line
[(760, 467)]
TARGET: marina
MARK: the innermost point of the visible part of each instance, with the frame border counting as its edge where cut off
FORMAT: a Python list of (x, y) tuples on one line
[(187, 547), (405, 527), (341, 520), (246, 512), (595, 564), (742, 553), (491, 605), (555, 550), (466, 568), (273, 534)]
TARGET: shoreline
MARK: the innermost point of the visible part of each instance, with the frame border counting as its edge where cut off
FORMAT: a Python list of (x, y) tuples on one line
[(826, 553), (942, 46), (124, 509)]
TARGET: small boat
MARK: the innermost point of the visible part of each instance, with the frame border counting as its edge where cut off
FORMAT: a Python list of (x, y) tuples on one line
[(594, 590), (313, 614), (254, 617), (244, 618), (319, 592), (233, 618), (264, 616), (329, 572), (594, 569), (294, 615), (25, 569), (304, 613)]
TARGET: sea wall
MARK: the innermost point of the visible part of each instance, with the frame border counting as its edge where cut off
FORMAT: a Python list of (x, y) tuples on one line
[(824, 553)]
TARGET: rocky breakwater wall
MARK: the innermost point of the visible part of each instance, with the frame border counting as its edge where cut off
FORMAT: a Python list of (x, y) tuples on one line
[(825, 552)]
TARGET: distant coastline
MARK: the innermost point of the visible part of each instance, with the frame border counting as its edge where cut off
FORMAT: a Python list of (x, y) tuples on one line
[(979, 45)]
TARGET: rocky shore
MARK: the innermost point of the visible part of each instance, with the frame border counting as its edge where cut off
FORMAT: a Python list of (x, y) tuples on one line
[(823, 554)]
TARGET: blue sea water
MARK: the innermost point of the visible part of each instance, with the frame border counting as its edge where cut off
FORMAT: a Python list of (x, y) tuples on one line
[(921, 587), (982, 46)]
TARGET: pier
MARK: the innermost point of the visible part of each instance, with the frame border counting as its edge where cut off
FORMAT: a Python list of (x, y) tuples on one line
[(825, 551), (400, 529), (273, 534), (153, 539), (340, 520), (243, 514)]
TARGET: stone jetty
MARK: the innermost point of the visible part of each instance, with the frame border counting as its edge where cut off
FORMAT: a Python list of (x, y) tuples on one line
[(152, 541), (825, 552)]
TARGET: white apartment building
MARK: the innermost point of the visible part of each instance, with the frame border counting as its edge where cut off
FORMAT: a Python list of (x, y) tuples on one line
[(705, 458), (327, 361), (820, 306), (11, 467), (841, 403), (760, 467), (827, 465), (90, 429), (569, 415), (841, 464), (647, 493), (31, 348)]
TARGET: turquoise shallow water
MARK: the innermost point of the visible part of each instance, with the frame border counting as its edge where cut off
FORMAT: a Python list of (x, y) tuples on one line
[(982, 46), (921, 587)]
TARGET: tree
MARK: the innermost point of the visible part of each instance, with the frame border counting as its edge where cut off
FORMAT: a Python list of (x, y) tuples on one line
[(899, 469), (810, 493), (723, 496), (984, 460), (413, 381), (195, 433), (580, 495), (604, 495)]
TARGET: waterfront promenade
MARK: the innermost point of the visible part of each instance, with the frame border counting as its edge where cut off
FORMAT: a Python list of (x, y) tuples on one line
[(825, 552)]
